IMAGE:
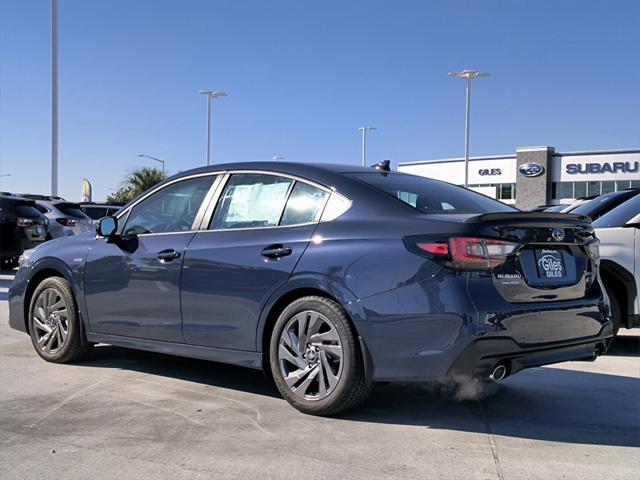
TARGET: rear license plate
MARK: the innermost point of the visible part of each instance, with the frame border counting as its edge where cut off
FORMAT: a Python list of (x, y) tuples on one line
[(550, 264)]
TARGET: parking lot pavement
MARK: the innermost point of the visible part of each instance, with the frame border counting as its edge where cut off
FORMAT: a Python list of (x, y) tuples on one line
[(129, 415)]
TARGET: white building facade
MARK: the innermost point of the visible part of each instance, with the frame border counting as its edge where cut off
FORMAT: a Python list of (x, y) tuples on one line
[(538, 175)]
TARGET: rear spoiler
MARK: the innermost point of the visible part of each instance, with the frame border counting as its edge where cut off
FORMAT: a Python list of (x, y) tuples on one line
[(528, 216)]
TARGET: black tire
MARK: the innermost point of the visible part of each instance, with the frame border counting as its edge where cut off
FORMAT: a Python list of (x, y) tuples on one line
[(616, 312), (74, 346), (352, 387)]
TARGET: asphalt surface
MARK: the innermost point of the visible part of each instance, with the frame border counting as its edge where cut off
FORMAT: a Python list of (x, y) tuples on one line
[(134, 415)]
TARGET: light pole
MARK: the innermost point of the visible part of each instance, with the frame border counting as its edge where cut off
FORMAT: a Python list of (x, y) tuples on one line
[(275, 158), (363, 131), (54, 98), (142, 155), (210, 96), (467, 75)]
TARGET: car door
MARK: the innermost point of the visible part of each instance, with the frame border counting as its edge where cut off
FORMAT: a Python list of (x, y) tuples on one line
[(261, 225), (132, 285)]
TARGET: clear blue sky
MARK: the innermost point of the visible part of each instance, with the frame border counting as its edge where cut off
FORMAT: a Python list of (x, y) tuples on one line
[(302, 77)]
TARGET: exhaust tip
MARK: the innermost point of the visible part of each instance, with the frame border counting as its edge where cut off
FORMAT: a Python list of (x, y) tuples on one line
[(498, 373)]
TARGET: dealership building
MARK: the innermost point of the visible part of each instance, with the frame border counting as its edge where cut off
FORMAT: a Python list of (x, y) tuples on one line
[(538, 175)]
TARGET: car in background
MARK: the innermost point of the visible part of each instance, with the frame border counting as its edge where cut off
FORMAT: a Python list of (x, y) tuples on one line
[(569, 207), (36, 196), (96, 211), (619, 234), (328, 277), (65, 218), (602, 204), (22, 226)]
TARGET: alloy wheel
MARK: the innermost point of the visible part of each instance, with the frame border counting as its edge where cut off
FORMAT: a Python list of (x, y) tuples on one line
[(310, 355), (50, 320)]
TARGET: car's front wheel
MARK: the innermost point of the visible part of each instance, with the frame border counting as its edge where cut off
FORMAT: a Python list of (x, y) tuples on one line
[(55, 322), (315, 358)]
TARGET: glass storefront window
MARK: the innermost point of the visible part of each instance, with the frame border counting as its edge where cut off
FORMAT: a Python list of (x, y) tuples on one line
[(608, 187), (566, 190), (593, 188), (580, 189)]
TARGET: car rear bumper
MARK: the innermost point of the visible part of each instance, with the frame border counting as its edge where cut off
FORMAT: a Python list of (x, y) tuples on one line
[(424, 332), (482, 356)]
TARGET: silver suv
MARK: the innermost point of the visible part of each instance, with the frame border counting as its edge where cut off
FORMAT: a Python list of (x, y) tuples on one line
[(65, 218)]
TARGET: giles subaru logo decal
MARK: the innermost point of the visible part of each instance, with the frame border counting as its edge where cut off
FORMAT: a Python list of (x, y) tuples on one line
[(531, 169)]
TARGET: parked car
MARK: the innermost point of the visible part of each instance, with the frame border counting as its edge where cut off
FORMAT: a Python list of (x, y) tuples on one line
[(328, 277), (21, 227), (96, 211), (65, 218), (568, 208), (619, 236), (36, 196), (602, 204)]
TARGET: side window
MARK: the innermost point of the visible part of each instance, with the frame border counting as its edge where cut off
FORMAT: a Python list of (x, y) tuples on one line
[(251, 200), (171, 209), (40, 208), (304, 205)]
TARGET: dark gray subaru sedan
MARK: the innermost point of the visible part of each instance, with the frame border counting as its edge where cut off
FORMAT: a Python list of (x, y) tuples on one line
[(328, 277)]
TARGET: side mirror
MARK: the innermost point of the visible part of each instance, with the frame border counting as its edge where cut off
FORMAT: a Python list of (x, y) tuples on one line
[(107, 227)]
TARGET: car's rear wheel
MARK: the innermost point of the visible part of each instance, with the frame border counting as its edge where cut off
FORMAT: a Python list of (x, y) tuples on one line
[(55, 322), (315, 359)]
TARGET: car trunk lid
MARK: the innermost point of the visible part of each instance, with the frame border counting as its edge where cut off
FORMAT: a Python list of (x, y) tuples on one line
[(554, 259)]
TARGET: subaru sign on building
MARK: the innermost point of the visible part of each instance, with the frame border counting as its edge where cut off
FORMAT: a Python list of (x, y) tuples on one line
[(538, 175)]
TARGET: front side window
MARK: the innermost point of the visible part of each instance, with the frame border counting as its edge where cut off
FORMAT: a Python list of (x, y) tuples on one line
[(171, 209), (251, 200)]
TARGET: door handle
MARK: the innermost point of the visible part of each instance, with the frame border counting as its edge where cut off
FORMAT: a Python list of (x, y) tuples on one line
[(168, 255), (274, 252)]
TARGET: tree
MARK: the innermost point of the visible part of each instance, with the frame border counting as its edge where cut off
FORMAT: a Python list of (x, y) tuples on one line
[(135, 183)]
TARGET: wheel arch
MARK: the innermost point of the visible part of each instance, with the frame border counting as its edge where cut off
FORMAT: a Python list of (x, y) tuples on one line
[(621, 283), (298, 289), (44, 271)]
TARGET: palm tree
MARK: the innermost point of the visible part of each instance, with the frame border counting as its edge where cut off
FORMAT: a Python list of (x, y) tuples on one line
[(135, 183)]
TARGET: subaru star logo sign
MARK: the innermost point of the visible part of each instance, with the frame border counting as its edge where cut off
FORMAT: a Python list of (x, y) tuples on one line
[(531, 169), (557, 234)]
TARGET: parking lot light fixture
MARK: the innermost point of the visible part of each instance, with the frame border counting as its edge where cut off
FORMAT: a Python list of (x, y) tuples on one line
[(142, 155), (363, 131), (210, 96), (469, 76)]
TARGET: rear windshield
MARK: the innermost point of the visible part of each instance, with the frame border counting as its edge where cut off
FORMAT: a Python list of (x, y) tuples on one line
[(71, 210), (19, 208), (430, 196)]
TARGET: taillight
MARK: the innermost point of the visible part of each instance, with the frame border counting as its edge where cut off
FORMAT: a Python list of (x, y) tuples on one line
[(24, 222), (464, 253), (67, 222)]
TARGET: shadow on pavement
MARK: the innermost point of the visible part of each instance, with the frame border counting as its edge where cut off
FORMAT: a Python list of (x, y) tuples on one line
[(187, 369), (549, 404), (625, 346)]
